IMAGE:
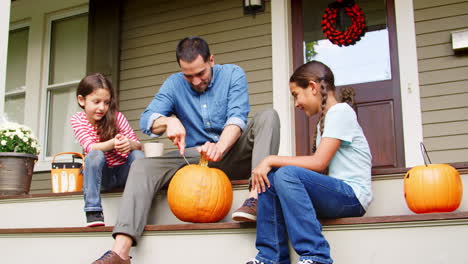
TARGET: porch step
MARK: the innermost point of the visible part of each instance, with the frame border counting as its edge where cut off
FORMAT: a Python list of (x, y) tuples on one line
[(403, 239), (66, 210)]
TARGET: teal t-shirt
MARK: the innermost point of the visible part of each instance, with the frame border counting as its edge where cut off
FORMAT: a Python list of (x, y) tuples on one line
[(352, 162)]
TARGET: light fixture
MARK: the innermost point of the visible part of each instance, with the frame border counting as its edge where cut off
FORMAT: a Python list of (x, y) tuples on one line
[(253, 6)]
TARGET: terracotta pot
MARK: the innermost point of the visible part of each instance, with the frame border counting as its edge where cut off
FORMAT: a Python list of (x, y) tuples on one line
[(16, 171)]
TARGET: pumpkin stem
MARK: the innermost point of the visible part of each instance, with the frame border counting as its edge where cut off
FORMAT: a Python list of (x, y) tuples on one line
[(203, 162)]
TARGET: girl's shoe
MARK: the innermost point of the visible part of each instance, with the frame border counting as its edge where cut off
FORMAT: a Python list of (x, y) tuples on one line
[(254, 261), (308, 261), (94, 218)]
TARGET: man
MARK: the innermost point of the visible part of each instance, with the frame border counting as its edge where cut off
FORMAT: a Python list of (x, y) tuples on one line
[(203, 110)]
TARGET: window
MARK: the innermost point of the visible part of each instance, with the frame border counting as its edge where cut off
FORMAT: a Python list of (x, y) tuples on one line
[(66, 67), (366, 61), (15, 89)]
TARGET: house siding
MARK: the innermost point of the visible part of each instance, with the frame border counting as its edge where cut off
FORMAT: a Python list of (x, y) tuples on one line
[(41, 183), (152, 29), (443, 77)]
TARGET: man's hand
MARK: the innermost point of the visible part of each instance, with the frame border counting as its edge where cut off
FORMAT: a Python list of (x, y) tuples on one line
[(122, 143), (211, 151), (215, 151), (176, 132)]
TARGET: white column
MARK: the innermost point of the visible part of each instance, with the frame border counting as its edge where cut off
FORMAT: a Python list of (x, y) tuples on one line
[(281, 70), (4, 32), (409, 82)]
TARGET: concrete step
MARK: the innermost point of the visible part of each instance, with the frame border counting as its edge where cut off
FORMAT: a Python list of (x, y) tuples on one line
[(66, 210), (430, 238)]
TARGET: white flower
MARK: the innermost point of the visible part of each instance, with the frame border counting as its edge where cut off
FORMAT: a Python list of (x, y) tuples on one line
[(11, 132)]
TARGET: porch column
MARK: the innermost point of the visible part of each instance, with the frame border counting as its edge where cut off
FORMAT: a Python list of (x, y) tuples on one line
[(4, 32), (409, 82), (281, 69)]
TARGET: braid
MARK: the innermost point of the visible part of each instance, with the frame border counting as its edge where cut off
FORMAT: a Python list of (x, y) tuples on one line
[(314, 145), (324, 93)]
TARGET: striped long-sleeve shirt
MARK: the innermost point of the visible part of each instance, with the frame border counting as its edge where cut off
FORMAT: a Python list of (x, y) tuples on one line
[(86, 134)]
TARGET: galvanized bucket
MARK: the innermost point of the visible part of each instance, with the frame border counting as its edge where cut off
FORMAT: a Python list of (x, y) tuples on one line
[(16, 171)]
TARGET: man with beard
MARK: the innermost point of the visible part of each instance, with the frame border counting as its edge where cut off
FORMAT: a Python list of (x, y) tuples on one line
[(203, 110)]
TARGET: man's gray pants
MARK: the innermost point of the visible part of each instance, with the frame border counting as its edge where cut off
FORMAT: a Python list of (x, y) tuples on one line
[(147, 176)]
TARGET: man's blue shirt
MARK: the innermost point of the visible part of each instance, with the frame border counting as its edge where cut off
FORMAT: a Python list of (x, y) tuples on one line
[(204, 115)]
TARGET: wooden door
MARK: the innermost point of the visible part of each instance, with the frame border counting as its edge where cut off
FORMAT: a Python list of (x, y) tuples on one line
[(378, 103)]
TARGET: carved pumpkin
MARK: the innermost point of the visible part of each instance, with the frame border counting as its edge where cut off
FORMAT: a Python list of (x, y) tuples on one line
[(433, 188), (200, 194)]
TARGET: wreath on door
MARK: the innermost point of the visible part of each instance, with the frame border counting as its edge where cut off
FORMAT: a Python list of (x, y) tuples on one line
[(330, 24)]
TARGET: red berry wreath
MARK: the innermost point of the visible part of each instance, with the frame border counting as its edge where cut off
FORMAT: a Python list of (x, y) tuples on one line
[(353, 33)]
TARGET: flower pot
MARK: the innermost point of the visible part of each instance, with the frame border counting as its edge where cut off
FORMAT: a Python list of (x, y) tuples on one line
[(16, 171)]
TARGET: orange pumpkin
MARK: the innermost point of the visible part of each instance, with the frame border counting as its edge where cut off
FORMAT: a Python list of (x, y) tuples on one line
[(200, 194), (433, 188)]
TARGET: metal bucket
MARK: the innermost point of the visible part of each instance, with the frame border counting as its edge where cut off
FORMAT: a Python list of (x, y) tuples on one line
[(16, 171)]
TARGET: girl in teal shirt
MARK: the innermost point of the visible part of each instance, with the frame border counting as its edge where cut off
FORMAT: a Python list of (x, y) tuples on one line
[(294, 192)]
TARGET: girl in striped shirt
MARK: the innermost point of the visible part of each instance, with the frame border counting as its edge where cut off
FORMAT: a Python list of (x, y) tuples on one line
[(109, 143)]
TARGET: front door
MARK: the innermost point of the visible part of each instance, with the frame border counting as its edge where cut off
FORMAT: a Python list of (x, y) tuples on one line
[(370, 66)]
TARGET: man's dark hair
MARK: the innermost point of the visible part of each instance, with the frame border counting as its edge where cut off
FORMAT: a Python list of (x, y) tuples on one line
[(189, 48)]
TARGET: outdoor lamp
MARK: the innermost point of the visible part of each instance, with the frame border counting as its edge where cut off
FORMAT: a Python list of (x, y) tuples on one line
[(253, 6)]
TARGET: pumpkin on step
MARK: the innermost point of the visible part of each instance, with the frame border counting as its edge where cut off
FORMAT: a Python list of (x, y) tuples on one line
[(433, 188), (200, 194)]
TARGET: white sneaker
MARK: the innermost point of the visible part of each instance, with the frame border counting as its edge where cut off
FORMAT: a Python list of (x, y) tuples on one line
[(254, 261), (308, 261)]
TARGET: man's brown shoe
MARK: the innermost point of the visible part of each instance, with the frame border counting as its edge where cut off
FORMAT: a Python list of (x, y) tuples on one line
[(247, 212), (110, 257)]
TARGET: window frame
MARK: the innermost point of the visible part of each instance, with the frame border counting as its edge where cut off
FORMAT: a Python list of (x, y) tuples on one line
[(22, 89), (46, 88)]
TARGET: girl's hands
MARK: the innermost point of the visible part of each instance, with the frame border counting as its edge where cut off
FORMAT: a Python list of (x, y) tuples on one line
[(260, 176), (122, 144)]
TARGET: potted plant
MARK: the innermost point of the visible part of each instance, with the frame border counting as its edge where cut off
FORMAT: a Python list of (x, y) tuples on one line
[(19, 148)]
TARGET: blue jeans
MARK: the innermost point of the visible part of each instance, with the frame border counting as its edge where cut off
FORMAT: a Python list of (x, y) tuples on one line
[(292, 205), (98, 176)]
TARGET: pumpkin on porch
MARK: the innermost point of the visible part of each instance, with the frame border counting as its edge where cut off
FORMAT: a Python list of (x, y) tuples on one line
[(433, 188), (200, 194)]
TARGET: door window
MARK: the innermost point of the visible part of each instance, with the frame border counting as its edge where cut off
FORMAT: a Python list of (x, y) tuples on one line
[(366, 61)]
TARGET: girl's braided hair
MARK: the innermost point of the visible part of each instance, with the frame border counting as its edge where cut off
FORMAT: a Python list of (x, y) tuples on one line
[(318, 72)]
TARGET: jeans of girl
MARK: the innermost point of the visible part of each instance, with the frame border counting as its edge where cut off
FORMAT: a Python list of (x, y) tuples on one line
[(291, 206), (97, 176)]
